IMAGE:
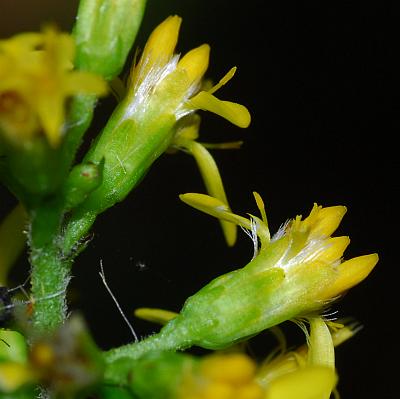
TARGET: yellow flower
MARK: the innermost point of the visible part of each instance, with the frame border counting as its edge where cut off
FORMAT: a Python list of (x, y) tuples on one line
[(303, 249), (295, 273), (308, 370), (36, 79), (288, 374), (161, 73)]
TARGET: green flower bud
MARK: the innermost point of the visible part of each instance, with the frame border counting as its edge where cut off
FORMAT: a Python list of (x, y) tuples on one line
[(83, 179), (105, 31), (297, 271)]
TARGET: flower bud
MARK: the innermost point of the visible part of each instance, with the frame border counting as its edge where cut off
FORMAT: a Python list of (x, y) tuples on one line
[(296, 272), (105, 31)]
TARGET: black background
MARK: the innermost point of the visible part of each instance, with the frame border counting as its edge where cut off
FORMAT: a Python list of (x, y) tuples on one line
[(316, 78)]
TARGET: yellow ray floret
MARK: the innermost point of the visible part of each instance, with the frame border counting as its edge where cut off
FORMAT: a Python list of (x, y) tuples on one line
[(36, 79)]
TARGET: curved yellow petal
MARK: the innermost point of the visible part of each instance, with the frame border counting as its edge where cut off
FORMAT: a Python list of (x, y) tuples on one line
[(321, 350), (334, 249), (195, 63), (324, 221), (159, 47), (350, 273), (213, 182), (235, 113), (214, 207)]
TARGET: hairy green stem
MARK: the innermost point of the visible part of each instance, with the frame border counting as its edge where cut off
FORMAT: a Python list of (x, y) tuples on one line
[(50, 271), (50, 277), (133, 351), (172, 337), (119, 361)]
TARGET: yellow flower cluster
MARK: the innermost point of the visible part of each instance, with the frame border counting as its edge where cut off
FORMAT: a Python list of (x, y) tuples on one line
[(36, 79)]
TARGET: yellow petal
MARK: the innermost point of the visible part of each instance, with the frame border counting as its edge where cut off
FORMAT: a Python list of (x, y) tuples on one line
[(51, 113), (321, 350), (160, 46), (85, 83), (159, 316), (350, 273), (195, 63), (213, 182), (334, 250), (312, 382), (214, 207), (328, 220), (233, 112)]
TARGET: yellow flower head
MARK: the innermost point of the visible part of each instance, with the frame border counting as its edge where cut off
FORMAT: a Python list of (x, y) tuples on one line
[(293, 274), (36, 79), (162, 74), (302, 248)]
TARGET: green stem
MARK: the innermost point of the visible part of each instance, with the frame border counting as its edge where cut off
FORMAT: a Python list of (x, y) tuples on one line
[(50, 271), (173, 336), (133, 351), (50, 277), (119, 361)]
